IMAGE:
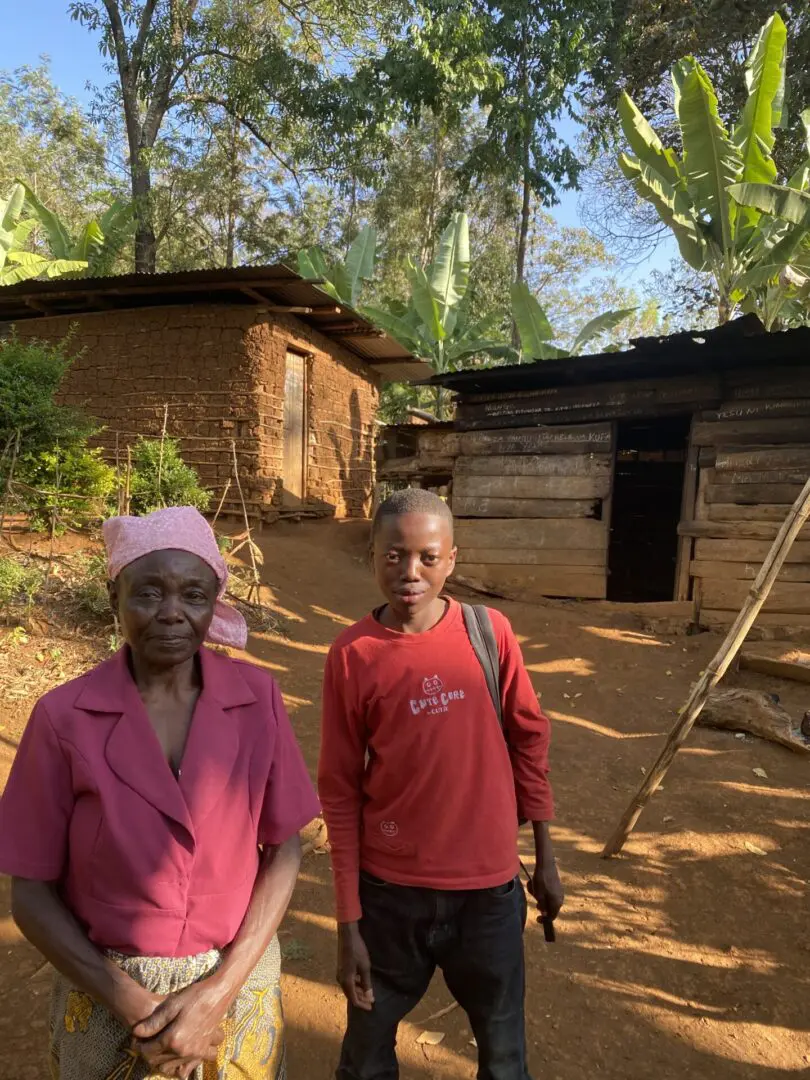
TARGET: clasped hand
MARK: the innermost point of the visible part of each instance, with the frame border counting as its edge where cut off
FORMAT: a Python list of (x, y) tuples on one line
[(184, 1030)]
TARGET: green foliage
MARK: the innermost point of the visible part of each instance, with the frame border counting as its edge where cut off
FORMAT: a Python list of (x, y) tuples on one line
[(343, 280), (754, 262), (161, 478), (30, 375), (89, 587), (434, 322), (536, 334), (68, 487), (15, 263), (20, 582)]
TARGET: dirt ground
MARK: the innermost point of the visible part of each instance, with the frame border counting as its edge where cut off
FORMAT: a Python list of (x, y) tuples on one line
[(688, 956)]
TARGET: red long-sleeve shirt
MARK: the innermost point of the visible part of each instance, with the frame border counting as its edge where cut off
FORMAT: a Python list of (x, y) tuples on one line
[(416, 781)]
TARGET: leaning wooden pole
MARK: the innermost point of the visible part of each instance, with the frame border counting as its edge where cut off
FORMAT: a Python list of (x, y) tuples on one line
[(796, 518)]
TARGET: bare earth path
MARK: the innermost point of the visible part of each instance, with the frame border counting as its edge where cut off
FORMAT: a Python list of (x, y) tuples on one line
[(689, 956)]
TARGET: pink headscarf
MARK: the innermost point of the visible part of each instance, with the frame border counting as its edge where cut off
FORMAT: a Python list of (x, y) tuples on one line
[(178, 528)]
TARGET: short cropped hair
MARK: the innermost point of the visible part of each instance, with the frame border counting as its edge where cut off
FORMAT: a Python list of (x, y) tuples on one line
[(411, 501)]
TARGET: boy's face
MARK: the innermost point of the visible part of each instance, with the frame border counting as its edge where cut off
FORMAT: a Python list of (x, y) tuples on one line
[(413, 557)]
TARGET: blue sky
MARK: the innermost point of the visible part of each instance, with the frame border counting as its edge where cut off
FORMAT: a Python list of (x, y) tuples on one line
[(33, 28)]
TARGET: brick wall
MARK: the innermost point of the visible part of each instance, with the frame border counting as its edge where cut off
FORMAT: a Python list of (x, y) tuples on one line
[(220, 369)]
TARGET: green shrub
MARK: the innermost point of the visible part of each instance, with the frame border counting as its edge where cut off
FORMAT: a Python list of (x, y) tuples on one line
[(89, 587), (161, 478), (30, 375), (74, 480), (19, 582)]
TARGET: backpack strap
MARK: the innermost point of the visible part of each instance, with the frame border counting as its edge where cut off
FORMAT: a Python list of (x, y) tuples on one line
[(485, 647)]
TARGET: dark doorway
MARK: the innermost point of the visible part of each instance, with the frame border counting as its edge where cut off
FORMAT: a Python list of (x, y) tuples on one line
[(647, 491)]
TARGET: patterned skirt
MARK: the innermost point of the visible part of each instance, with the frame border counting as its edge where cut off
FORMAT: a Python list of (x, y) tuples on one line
[(88, 1042)]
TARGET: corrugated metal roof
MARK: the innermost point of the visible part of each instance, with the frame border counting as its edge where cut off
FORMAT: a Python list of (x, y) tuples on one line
[(270, 287), (738, 344)]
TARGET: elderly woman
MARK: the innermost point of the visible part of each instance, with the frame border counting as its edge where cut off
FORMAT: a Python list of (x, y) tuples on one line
[(150, 825)]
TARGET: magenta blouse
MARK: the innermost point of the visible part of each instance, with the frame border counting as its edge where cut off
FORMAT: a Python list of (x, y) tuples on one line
[(151, 865)]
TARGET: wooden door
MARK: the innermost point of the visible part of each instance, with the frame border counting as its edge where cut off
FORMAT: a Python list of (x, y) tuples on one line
[(294, 429)]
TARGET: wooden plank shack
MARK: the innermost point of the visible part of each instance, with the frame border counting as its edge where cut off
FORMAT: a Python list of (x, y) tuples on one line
[(540, 456), (528, 504), (757, 447)]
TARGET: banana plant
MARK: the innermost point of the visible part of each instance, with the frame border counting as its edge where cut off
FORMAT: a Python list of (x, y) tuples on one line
[(16, 264), (693, 191), (434, 323), (97, 244), (344, 281), (535, 332)]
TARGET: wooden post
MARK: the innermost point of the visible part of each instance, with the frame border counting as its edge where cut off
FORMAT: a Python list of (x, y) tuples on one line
[(797, 516)]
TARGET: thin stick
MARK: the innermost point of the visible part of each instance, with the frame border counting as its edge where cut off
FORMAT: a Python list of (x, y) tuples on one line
[(793, 523), (9, 480), (128, 482), (118, 486), (160, 459), (222, 502), (54, 519), (256, 579)]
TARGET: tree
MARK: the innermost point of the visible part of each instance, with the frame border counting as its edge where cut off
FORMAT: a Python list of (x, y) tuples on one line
[(46, 139), (17, 264), (519, 62), (643, 36), (691, 193), (272, 69)]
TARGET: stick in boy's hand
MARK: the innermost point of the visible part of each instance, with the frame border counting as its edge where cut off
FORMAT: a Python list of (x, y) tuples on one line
[(546, 921)]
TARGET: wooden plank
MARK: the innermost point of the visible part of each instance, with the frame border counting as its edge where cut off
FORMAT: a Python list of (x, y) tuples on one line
[(534, 465), (520, 583), (523, 416), (617, 399), (714, 619), (752, 660), (531, 487), (483, 507), (441, 443), (734, 512), (749, 432), (761, 410), (762, 476), (735, 530), (784, 597), (585, 438), (531, 557), (751, 494), (743, 551), (688, 499), (585, 534), (745, 571), (769, 382), (764, 457)]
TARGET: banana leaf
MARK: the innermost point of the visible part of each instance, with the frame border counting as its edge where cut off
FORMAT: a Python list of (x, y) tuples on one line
[(361, 260), (602, 324), (781, 202), (25, 265), (10, 210), (395, 325), (673, 208), (754, 135), (533, 327), (449, 276), (312, 263), (425, 302), (644, 141), (59, 239), (711, 161)]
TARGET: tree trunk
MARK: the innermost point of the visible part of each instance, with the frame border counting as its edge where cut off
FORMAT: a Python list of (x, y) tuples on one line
[(526, 203), (145, 240)]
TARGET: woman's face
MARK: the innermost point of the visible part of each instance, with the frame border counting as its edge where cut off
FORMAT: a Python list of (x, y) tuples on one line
[(165, 604)]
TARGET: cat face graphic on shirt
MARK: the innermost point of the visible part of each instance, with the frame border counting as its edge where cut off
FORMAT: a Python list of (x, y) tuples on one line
[(433, 685)]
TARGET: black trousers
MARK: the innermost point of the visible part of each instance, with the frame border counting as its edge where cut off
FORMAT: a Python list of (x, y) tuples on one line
[(475, 938)]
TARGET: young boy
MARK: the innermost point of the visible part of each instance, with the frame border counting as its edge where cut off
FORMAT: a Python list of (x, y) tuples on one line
[(422, 796)]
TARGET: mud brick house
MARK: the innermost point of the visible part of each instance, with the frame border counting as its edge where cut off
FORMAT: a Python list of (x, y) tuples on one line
[(657, 474), (253, 355)]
